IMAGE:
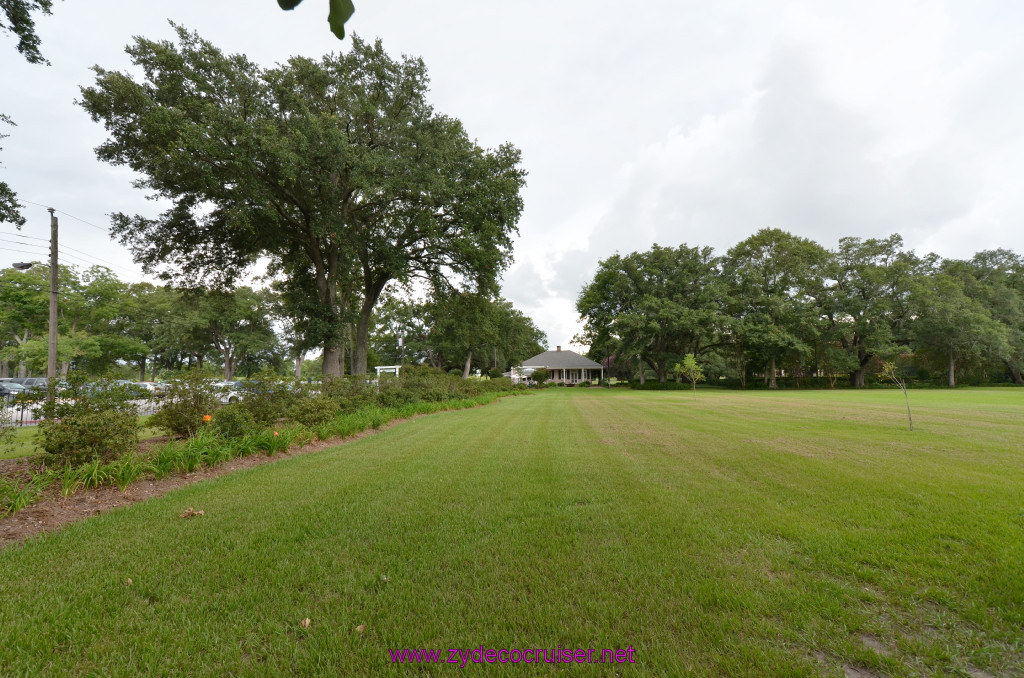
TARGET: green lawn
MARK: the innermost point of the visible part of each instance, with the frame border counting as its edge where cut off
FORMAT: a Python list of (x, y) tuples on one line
[(732, 534), (23, 444)]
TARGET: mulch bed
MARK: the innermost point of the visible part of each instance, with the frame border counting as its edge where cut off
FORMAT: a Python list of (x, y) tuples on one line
[(53, 511)]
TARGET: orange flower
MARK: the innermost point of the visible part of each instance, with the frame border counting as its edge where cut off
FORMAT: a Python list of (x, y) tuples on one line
[(276, 434), (207, 418)]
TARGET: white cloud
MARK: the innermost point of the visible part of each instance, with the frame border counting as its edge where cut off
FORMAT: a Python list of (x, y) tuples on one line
[(662, 122)]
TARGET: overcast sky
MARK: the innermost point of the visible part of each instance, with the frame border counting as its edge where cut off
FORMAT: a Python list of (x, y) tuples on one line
[(674, 122)]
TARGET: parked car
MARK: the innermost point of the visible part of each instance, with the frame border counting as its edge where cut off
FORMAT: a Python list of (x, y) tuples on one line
[(10, 388), (157, 388), (229, 391)]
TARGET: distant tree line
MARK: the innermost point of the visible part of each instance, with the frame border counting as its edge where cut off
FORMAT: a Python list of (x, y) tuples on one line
[(776, 302), (108, 327), (457, 331)]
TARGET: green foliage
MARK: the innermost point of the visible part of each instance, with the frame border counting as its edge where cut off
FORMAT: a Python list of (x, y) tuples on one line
[(70, 480), (17, 493), (89, 421), (351, 393), (18, 19), (540, 375), (126, 470), (94, 474), (340, 12), (233, 421), (657, 305), (301, 145), (267, 397), (187, 400), (6, 425), (690, 369), (314, 410)]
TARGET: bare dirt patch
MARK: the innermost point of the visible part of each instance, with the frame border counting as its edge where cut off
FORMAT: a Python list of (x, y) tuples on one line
[(873, 643), (54, 511)]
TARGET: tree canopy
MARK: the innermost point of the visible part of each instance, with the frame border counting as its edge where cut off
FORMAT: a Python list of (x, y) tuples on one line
[(337, 169), (776, 301)]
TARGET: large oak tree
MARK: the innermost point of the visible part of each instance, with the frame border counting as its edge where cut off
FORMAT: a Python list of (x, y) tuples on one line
[(337, 169)]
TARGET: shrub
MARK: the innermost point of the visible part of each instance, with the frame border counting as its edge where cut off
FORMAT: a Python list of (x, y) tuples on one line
[(430, 384), (233, 421), (495, 373), (188, 399), (540, 375), (314, 410), (267, 396), (89, 421), (392, 392), (351, 393)]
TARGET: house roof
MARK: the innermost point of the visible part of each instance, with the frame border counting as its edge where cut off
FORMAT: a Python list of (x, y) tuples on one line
[(561, 360)]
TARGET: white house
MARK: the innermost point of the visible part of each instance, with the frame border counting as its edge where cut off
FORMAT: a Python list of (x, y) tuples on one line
[(566, 367)]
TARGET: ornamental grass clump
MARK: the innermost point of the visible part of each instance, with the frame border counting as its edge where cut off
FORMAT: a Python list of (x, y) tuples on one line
[(126, 470), (16, 494)]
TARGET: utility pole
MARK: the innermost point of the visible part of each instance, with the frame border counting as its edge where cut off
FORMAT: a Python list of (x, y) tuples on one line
[(51, 363)]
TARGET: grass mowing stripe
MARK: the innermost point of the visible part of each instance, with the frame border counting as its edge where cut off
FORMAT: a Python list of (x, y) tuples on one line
[(738, 534)]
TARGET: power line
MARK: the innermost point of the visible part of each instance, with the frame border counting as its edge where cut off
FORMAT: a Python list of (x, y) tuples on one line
[(67, 214), (105, 262), (62, 248), (30, 237), (8, 249), (23, 244)]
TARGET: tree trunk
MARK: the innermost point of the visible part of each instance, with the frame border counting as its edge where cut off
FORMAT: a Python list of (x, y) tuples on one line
[(333, 357), (298, 365), (952, 370), (1015, 375), (465, 369), (640, 360), (857, 377), (229, 365), (5, 369), (362, 347), (773, 384), (142, 369)]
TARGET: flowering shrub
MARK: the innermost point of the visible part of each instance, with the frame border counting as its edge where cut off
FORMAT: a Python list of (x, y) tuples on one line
[(188, 399)]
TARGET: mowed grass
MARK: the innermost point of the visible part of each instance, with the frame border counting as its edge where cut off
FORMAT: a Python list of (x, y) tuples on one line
[(23, 444), (732, 534)]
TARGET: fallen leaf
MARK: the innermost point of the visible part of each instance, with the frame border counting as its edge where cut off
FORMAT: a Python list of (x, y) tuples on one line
[(361, 628), (189, 512), (305, 623), (129, 582)]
